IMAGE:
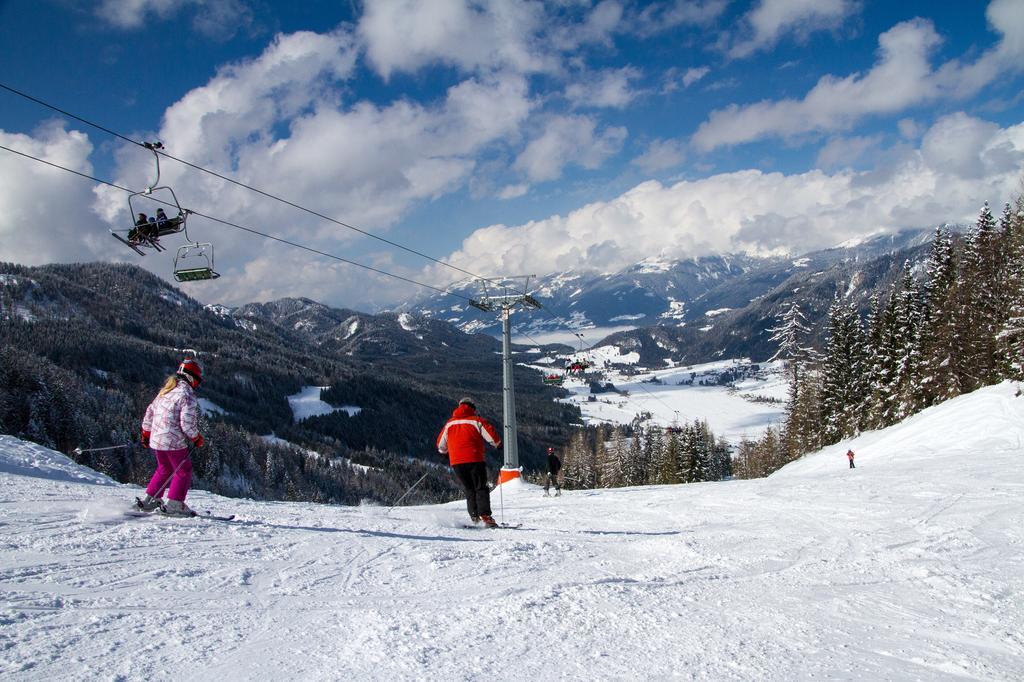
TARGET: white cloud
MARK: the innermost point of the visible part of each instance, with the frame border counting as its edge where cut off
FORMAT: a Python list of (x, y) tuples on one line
[(672, 80), (899, 79), (213, 18), (612, 89), (513, 191), (44, 212), (133, 13), (597, 27), (902, 77), (480, 36), (658, 17), (693, 75), (844, 152), (770, 20), (965, 79), (765, 212), (277, 122), (405, 35), (909, 128), (661, 154), (963, 146), (568, 140)]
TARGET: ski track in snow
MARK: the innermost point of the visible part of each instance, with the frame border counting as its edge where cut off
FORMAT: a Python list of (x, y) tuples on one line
[(909, 567)]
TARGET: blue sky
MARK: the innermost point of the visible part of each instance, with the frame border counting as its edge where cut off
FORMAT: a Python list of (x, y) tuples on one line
[(507, 137)]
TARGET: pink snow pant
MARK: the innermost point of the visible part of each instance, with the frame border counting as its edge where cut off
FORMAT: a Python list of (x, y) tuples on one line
[(166, 463)]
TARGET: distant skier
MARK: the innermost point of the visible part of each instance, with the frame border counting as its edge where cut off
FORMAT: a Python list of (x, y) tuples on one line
[(171, 421), (554, 466), (463, 439), (849, 456)]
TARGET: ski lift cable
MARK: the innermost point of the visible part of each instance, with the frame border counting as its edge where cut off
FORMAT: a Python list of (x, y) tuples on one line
[(290, 243), (246, 229), (239, 183), (559, 319)]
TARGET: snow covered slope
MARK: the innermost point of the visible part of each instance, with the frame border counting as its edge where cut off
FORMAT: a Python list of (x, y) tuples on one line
[(909, 567)]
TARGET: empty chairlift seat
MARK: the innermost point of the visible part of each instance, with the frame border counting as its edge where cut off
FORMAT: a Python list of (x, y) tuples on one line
[(194, 263)]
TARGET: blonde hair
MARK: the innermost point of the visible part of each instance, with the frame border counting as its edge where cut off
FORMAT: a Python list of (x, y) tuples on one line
[(169, 385)]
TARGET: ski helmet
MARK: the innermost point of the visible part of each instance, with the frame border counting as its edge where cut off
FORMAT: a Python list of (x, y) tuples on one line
[(190, 371), (468, 401), (551, 451)]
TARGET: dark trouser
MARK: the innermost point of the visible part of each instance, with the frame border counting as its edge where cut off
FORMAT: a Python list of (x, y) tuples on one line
[(552, 481), (473, 477), (851, 465)]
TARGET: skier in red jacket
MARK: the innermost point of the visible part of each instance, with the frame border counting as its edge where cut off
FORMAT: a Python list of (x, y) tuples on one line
[(462, 439)]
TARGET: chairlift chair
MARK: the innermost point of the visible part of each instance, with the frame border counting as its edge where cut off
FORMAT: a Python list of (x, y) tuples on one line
[(194, 263), (140, 236)]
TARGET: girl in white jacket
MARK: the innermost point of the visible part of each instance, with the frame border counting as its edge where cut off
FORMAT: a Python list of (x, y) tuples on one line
[(171, 421)]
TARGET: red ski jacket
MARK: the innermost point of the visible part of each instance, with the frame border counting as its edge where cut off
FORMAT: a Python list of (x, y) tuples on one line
[(464, 435)]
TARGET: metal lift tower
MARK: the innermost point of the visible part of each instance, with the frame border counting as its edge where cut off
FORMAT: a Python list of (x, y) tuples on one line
[(503, 300)]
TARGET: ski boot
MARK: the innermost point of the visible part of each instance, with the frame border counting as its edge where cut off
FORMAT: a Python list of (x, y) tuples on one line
[(176, 508), (147, 503), (474, 519), (488, 521)]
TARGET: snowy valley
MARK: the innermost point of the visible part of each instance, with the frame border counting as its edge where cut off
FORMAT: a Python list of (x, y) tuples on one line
[(910, 566)]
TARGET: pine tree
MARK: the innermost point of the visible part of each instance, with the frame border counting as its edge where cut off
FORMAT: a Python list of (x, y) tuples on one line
[(896, 358), (802, 431), (977, 311), (613, 466), (909, 347), (842, 382), (1010, 337), (654, 447), (938, 381), (798, 358), (668, 464), (743, 465), (579, 463), (635, 471)]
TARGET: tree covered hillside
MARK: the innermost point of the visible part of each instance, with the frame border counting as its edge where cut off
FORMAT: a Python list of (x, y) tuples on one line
[(946, 326), (83, 349)]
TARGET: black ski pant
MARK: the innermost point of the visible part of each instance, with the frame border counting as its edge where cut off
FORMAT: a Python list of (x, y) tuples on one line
[(473, 477), (851, 465), (552, 481)]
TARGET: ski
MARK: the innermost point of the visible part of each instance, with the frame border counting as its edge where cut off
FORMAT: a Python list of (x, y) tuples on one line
[(500, 525), (209, 516), (138, 511)]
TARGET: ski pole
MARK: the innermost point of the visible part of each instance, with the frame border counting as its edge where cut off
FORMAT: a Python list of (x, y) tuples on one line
[(80, 450), (501, 501), (407, 493), (160, 493)]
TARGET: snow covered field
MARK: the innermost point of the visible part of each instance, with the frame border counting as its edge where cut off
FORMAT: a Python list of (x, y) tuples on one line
[(306, 403), (729, 413), (909, 567)]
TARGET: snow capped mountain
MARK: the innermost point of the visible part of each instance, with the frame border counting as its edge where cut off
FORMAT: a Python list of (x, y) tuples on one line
[(659, 291), (351, 333), (654, 291), (907, 567)]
